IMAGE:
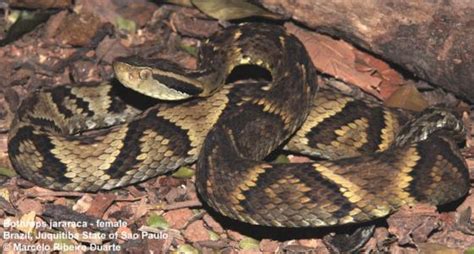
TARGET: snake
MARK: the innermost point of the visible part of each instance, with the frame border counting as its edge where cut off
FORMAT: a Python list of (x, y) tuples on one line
[(369, 159)]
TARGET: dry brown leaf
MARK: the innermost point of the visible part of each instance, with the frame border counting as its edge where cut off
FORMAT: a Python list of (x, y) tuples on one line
[(124, 233), (312, 243), (298, 159), (27, 205), (269, 246), (78, 29), (26, 223), (336, 58), (421, 219), (391, 80), (196, 232), (106, 10), (109, 49), (186, 23), (139, 209), (378, 241), (40, 4), (213, 224), (407, 97), (101, 202), (178, 218), (234, 235), (434, 248), (140, 12), (87, 237), (453, 239), (61, 201), (468, 202), (341, 60), (83, 204)]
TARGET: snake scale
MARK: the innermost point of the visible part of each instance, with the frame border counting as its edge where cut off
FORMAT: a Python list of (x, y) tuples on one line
[(375, 159)]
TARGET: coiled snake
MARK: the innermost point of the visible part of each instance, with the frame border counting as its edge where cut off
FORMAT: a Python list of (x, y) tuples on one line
[(373, 166)]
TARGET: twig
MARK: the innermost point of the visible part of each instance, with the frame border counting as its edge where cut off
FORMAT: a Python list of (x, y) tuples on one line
[(183, 204)]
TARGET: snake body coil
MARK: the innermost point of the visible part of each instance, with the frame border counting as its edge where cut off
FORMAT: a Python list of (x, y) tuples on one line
[(374, 164)]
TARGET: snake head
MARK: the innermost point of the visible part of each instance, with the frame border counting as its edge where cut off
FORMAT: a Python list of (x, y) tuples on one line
[(431, 121), (158, 78)]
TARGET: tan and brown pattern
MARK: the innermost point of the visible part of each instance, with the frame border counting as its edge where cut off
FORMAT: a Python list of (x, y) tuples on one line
[(377, 159)]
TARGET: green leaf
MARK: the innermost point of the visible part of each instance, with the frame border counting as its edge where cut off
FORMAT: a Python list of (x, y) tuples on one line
[(157, 221), (14, 16), (186, 249), (196, 211), (189, 49), (249, 244), (281, 159), (7, 172), (63, 243), (126, 25), (186, 3), (213, 236), (469, 250), (184, 172), (231, 9)]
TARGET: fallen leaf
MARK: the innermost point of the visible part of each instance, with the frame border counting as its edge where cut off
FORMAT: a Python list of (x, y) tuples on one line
[(336, 58), (40, 4), (183, 172), (249, 244), (234, 235), (157, 221), (213, 224), (187, 3), (29, 205), (101, 202), (232, 9), (391, 79), (281, 159), (178, 218), (269, 246), (196, 232), (407, 97), (27, 222), (186, 249), (189, 22), (469, 250), (63, 244), (298, 159), (7, 172), (124, 233), (5, 194), (312, 243), (126, 25), (434, 248), (421, 219), (213, 236), (83, 204), (341, 60), (78, 29)]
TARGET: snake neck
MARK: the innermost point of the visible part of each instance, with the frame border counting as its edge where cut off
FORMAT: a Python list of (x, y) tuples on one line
[(265, 46), (432, 121)]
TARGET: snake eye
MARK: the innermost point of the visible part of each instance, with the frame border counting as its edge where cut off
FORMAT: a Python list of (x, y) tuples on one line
[(145, 74)]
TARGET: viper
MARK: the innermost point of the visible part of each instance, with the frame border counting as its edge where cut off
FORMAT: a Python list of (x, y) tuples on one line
[(373, 159)]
